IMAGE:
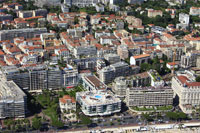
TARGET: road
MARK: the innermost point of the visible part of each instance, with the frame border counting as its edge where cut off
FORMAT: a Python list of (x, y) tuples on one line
[(150, 127)]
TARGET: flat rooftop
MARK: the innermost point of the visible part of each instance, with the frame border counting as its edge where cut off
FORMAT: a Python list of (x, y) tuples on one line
[(98, 98), (150, 88)]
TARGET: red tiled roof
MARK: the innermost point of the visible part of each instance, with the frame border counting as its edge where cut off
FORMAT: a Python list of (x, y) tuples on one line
[(141, 56), (184, 80), (67, 97)]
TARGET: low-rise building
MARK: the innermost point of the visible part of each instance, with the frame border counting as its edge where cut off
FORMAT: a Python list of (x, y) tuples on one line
[(139, 59), (68, 107), (172, 65), (93, 83), (153, 13), (98, 103)]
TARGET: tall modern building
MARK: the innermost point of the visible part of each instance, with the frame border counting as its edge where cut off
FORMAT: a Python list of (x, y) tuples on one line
[(12, 100), (70, 77), (34, 79), (98, 103), (38, 80), (54, 78)]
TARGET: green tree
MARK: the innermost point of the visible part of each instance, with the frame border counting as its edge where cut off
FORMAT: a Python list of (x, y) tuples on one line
[(145, 67), (172, 115), (182, 116), (76, 20), (85, 120), (198, 79), (36, 122), (147, 117)]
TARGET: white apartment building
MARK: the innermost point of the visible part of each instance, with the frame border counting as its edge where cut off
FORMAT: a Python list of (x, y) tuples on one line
[(149, 96), (70, 76), (98, 103), (188, 92)]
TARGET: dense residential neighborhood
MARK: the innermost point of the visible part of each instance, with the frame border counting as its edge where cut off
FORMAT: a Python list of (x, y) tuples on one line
[(99, 65)]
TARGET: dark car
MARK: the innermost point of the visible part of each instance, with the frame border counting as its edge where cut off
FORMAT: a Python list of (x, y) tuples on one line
[(92, 125)]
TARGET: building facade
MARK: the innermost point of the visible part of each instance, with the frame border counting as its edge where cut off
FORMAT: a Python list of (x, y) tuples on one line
[(26, 33), (149, 96), (13, 101), (98, 103), (188, 91)]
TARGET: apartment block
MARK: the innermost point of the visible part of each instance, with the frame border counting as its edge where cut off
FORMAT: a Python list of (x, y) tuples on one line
[(121, 84), (112, 58), (13, 101), (54, 76), (81, 3), (34, 79), (4, 17), (123, 52), (109, 73), (70, 77), (25, 14), (26, 33), (149, 96), (85, 51), (37, 80)]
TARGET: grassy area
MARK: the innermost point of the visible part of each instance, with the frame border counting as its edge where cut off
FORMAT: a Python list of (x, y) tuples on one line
[(165, 107), (49, 101), (153, 108)]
